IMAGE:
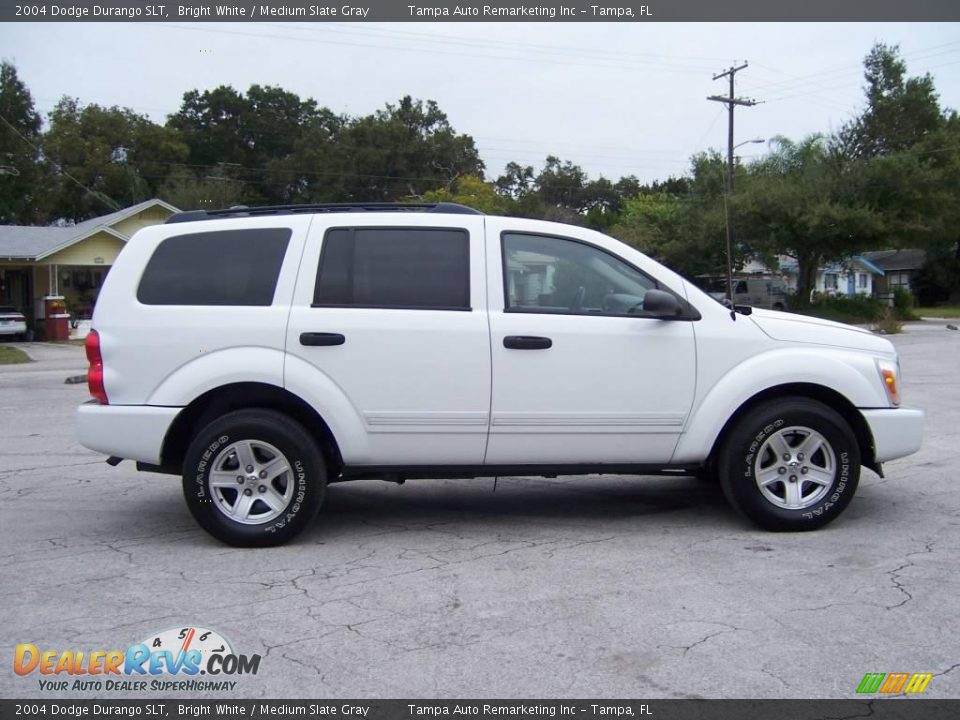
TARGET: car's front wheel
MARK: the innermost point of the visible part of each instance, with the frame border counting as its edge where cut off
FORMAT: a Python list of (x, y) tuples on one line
[(790, 464), (254, 478)]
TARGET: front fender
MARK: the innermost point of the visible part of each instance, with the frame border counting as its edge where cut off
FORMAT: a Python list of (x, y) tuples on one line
[(848, 374)]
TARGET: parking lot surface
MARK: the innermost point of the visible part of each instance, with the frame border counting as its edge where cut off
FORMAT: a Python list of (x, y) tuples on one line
[(596, 586)]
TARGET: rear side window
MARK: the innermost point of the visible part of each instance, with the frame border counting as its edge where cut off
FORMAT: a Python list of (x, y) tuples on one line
[(229, 267), (412, 268)]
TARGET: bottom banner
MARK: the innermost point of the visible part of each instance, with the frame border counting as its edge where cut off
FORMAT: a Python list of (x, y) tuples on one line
[(876, 709)]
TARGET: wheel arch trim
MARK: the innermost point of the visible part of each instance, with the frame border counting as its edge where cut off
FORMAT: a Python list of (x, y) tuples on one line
[(248, 395), (773, 375)]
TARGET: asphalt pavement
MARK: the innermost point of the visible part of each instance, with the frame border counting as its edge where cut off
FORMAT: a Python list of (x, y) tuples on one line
[(596, 586)]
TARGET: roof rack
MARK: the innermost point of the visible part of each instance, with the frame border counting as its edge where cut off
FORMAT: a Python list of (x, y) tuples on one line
[(244, 211)]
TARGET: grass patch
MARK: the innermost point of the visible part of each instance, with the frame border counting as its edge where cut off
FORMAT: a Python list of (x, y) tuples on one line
[(13, 356), (939, 312)]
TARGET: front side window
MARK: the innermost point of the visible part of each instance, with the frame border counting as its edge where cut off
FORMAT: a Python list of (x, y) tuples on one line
[(550, 274), (227, 267), (401, 268), (830, 281)]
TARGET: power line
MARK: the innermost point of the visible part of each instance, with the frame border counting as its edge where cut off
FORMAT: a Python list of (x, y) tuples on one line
[(793, 82), (102, 197), (731, 101), (524, 47), (485, 56)]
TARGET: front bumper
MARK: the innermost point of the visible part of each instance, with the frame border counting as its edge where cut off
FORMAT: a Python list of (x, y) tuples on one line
[(897, 432), (132, 432)]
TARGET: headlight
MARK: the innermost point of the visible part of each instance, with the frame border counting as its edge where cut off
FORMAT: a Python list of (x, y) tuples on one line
[(890, 377)]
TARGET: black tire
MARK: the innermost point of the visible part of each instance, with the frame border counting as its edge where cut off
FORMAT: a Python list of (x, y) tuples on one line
[(265, 435), (749, 447)]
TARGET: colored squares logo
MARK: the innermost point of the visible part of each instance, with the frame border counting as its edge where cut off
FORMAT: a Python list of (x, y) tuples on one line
[(894, 683)]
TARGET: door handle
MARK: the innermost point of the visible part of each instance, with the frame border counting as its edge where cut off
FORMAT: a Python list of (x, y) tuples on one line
[(318, 339), (527, 342)]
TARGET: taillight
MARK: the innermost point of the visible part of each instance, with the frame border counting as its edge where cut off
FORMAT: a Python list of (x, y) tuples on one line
[(95, 371)]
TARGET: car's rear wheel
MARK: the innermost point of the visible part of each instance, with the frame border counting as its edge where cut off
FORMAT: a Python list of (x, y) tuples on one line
[(790, 464), (254, 478)]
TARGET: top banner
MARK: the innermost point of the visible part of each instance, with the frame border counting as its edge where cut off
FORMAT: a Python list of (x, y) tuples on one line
[(439, 11)]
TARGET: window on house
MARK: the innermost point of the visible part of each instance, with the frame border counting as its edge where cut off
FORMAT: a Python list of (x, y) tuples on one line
[(412, 268), (830, 281), (898, 279), (862, 281), (230, 267)]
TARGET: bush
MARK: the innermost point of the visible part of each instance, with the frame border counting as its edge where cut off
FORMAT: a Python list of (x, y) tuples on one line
[(903, 304), (845, 308), (889, 323)]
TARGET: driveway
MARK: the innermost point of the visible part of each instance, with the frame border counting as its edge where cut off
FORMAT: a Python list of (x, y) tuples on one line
[(568, 587)]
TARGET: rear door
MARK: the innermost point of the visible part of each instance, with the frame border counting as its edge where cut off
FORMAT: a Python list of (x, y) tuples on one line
[(390, 315)]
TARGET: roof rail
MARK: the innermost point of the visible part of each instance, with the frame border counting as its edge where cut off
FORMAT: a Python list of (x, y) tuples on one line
[(244, 211)]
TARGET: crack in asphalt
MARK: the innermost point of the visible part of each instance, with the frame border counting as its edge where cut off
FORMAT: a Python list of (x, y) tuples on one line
[(687, 648), (895, 575)]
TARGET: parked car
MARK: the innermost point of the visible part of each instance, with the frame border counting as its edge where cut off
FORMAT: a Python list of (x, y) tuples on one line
[(12, 323), (264, 353), (758, 292)]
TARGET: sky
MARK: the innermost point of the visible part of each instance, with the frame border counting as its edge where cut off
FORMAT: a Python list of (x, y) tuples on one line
[(615, 98)]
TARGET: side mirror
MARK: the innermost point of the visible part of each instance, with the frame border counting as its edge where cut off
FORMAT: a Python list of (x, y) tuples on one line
[(660, 304)]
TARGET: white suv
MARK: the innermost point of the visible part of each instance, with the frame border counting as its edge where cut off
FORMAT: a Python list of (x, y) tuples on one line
[(262, 353)]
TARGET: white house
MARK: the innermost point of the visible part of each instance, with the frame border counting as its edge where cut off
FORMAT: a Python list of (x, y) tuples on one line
[(854, 276)]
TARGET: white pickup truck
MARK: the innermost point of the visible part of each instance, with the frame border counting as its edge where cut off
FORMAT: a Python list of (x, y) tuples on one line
[(262, 353)]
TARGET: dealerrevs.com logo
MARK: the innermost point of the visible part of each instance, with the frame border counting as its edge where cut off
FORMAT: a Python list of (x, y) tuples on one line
[(171, 660)]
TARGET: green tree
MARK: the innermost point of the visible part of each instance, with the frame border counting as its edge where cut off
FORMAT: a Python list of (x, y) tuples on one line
[(105, 158), (21, 170), (802, 202), (473, 192), (249, 132), (405, 149), (318, 168), (684, 233), (900, 111), (187, 191)]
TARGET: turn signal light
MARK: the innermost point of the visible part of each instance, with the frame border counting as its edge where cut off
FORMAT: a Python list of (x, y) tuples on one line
[(95, 371), (890, 383)]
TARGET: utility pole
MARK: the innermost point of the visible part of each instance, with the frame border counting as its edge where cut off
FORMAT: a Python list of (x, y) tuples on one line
[(731, 102)]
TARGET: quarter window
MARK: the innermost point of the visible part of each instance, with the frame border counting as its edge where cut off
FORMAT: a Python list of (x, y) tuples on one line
[(229, 267), (422, 268), (550, 274)]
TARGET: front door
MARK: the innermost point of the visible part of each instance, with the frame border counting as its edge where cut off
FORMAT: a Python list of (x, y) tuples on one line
[(579, 375)]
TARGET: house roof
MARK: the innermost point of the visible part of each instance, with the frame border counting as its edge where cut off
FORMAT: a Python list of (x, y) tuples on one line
[(33, 242), (898, 259), (790, 266)]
